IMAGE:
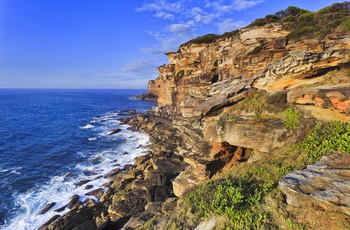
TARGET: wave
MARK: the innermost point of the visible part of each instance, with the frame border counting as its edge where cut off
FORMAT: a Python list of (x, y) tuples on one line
[(88, 126), (115, 150), (13, 170)]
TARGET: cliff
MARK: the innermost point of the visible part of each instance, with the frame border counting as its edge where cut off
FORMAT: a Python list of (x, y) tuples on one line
[(235, 130)]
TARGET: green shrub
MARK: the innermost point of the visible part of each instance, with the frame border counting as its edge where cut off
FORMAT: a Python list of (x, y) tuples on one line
[(233, 198), (208, 38), (230, 34), (299, 33), (346, 25), (292, 118), (263, 21), (291, 11), (306, 19), (330, 136)]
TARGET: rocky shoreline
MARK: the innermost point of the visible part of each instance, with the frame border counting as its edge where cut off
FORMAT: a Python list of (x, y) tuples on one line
[(228, 103), (136, 193)]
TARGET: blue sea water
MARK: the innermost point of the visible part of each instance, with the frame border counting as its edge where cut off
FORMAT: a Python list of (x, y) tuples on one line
[(51, 139)]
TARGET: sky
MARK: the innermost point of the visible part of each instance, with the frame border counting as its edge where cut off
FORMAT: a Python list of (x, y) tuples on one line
[(111, 44)]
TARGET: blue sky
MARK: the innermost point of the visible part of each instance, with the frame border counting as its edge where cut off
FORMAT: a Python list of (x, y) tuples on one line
[(111, 43)]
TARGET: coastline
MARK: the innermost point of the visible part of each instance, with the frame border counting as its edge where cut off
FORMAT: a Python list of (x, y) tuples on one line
[(145, 188)]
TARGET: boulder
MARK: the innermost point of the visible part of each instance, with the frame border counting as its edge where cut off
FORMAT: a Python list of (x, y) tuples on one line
[(47, 208), (114, 131), (75, 219), (325, 183), (73, 200), (82, 182), (96, 193)]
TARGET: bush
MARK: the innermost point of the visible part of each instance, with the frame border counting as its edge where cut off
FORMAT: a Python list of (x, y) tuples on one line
[(346, 25), (306, 19), (292, 118), (233, 198), (263, 21), (330, 136), (208, 38), (297, 34)]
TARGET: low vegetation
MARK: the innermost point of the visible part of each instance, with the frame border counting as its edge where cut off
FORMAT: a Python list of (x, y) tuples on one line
[(291, 118), (248, 198), (302, 23), (253, 103), (326, 137), (210, 38), (305, 24)]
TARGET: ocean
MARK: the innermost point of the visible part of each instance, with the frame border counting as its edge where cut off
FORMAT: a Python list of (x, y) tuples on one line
[(50, 139)]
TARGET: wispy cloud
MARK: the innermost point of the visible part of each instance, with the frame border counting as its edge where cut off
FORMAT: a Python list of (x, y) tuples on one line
[(198, 15), (161, 8), (166, 42), (236, 5), (229, 25), (138, 66), (182, 30), (243, 4), (164, 15), (184, 18)]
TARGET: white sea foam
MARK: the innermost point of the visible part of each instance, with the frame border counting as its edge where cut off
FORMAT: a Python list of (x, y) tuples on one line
[(88, 126), (61, 188), (13, 170), (92, 138)]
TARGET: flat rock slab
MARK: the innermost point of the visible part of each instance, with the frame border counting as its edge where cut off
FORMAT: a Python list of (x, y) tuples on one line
[(325, 183)]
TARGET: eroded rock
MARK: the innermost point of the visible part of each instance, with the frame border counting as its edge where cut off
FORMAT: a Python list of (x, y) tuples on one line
[(325, 183)]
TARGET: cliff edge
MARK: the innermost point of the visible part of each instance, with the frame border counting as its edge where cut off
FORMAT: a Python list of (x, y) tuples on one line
[(251, 131)]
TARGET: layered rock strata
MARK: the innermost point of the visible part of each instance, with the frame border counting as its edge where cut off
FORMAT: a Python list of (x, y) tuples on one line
[(325, 183), (218, 103)]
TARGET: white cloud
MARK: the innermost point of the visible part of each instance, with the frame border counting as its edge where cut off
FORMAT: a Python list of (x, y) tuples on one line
[(160, 5), (152, 50), (229, 25), (182, 30), (138, 66), (164, 15), (243, 4), (188, 17), (200, 16), (237, 5), (219, 6), (168, 41)]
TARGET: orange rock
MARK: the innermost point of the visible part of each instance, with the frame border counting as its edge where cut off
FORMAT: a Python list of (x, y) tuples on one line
[(307, 97), (341, 105), (319, 101)]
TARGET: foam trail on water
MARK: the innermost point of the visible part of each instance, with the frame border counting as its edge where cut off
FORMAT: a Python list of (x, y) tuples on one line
[(88, 126), (61, 188)]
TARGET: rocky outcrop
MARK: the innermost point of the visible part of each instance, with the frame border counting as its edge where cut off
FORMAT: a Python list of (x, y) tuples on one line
[(196, 66), (325, 183), (302, 67), (134, 197), (220, 104)]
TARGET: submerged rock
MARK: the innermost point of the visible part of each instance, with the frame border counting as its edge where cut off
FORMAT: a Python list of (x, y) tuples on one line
[(47, 208), (114, 131)]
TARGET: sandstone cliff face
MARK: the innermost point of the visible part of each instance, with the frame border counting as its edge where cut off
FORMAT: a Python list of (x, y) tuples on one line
[(204, 85), (196, 66), (223, 103)]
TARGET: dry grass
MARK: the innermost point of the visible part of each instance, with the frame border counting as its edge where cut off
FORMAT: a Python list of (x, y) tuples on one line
[(338, 76)]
